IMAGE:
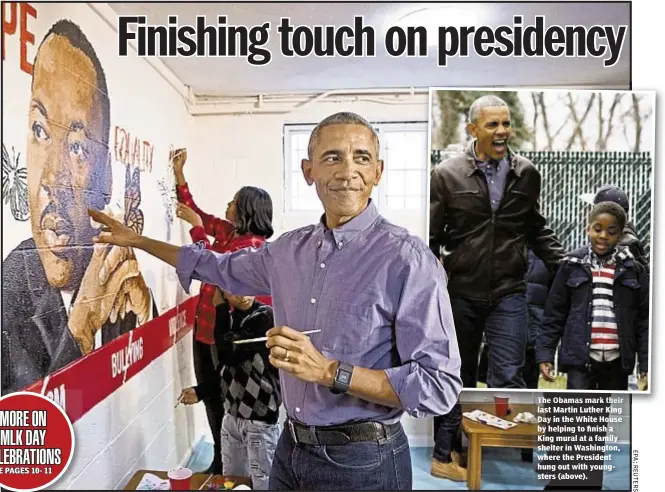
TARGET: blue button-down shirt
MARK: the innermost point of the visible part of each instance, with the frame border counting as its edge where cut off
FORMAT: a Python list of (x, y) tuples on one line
[(377, 294), (496, 173)]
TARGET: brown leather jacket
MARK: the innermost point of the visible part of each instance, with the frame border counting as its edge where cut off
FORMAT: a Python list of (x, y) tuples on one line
[(488, 250)]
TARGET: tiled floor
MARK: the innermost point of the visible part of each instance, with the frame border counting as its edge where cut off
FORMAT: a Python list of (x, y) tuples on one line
[(502, 470)]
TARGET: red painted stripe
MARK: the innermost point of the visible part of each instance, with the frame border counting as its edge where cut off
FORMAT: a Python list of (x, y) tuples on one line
[(91, 379)]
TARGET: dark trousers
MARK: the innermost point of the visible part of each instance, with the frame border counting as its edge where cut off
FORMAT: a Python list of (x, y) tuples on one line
[(206, 370), (505, 326), (530, 373), (384, 464), (602, 376)]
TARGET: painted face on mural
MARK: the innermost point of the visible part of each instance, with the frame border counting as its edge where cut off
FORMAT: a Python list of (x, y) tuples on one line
[(67, 159)]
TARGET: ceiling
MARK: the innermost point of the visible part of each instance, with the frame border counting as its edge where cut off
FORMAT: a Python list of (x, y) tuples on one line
[(216, 76)]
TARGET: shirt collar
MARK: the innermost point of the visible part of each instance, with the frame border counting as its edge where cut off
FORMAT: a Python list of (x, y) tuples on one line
[(614, 257), (346, 232)]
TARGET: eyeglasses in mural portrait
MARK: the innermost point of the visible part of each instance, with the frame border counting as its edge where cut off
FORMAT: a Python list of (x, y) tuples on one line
[(59, 292)]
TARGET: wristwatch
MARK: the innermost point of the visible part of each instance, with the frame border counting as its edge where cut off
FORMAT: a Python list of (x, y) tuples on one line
[(342, 379)]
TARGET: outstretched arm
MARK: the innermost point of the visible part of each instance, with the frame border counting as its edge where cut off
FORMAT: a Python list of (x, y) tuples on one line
[(244, 271)]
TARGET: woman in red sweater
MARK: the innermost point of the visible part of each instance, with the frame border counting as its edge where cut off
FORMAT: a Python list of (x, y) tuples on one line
[(248, 223)]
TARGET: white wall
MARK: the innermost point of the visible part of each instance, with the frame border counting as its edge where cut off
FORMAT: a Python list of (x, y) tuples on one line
[(137, 426), (248, 150)]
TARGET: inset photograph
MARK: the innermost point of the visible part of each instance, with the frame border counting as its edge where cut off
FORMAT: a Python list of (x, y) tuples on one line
[(540, 212), (539, 441)]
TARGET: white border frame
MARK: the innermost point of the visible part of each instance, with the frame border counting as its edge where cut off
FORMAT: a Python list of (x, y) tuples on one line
[(652, 94)]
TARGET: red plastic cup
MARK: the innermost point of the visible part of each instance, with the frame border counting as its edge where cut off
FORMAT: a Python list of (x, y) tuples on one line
[(501, 405), (180, 478)]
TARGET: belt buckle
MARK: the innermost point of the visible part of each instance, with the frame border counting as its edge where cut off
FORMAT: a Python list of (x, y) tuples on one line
[(292, 431)]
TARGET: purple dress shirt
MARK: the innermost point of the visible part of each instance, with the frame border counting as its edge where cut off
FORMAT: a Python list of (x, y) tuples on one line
[(496, 174), (377, 294)]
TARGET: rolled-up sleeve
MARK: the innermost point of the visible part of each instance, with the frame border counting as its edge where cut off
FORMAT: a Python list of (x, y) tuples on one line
[(429, 381), (243, 272)]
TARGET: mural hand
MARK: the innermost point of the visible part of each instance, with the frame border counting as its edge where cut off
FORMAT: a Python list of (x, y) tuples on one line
[(113, 231), (138, 298), (112, 261), (95, 302)]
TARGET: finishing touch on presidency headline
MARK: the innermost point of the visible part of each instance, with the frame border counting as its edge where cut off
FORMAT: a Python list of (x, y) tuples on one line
[(358, 39)]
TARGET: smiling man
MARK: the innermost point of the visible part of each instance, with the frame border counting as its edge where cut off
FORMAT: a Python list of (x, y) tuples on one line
[(484, 212), (57, 293), (386, 344)]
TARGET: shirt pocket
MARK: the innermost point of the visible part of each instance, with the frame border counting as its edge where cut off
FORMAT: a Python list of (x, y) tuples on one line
[(348, 328), (466, 196), (629, 296), (579, 287)]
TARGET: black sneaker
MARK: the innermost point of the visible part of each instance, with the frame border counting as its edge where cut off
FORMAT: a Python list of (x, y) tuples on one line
[(527, 455)]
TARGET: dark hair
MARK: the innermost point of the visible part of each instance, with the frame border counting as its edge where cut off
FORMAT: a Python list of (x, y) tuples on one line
[(253, 212), (73, 33), (100, 173), (610, 208)]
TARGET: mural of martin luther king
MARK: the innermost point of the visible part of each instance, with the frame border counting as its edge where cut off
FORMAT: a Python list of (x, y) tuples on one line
[(58, 291)]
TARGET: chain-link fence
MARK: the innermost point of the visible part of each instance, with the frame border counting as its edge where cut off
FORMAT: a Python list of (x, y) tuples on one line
[(568, 176)]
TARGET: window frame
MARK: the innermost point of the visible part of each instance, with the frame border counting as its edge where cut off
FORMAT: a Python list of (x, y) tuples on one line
[(291, 129)]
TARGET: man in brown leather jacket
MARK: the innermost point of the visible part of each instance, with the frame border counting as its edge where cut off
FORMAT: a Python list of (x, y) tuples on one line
[(484, 213)]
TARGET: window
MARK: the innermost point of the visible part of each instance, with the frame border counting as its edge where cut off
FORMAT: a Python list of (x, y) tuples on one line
[(404, 182), (300, 196)]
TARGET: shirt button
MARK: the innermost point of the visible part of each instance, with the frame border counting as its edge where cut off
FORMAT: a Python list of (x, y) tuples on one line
[(297, 409), (340, 244), (312, 300), (323, 265), (319, 243)]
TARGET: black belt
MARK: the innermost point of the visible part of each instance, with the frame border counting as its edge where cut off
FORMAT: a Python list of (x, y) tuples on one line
[(340, 434)]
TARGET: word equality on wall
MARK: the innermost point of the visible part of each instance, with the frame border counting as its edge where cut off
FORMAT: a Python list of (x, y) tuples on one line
[(132, 151), (15, 19)]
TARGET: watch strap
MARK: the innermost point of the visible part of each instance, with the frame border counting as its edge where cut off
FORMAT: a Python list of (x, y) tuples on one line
[(342, 379)]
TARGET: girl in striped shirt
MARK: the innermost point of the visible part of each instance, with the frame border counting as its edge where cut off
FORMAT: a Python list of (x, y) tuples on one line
[(598, 309)]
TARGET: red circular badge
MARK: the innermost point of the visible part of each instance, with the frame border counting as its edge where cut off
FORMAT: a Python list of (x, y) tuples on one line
[(36, 441)]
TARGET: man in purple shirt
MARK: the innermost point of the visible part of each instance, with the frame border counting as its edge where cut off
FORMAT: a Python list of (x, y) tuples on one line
[(387, 341)]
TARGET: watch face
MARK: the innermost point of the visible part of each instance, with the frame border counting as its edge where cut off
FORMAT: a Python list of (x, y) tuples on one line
[(344, 378)]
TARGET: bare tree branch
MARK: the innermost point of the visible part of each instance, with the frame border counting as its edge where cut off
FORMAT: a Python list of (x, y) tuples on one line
[(600, 144), (546, 126), (638, 122), (578, 121), (610, 119), (534, 100)]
